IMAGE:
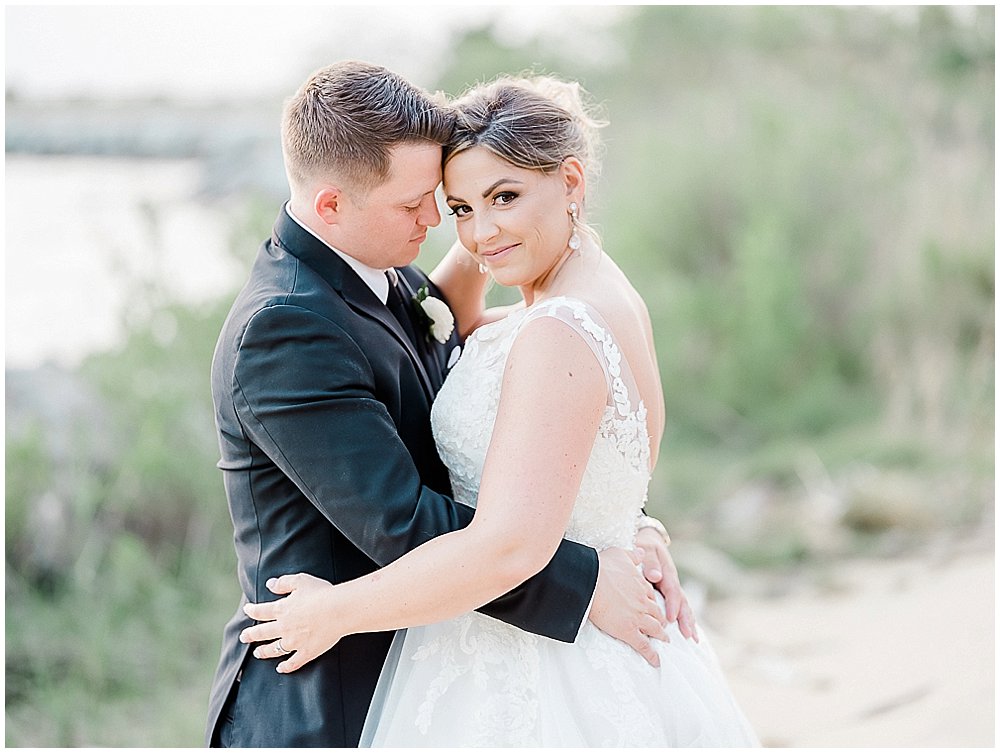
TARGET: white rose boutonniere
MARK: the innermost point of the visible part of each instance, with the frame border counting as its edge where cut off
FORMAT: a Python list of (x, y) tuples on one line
[(439, 320)]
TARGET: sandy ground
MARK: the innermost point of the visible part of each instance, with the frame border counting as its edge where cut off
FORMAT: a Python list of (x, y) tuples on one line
[(882, 653)]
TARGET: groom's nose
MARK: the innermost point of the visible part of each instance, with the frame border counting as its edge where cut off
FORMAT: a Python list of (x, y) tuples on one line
[(429, 215)]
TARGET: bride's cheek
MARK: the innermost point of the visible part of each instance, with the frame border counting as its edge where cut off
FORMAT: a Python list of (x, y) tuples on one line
[(464, 232)]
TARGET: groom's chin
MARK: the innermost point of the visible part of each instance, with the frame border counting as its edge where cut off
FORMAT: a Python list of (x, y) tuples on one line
[(410, 254)]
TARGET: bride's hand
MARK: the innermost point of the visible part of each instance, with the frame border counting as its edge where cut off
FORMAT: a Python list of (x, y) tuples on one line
[(659, 569), (303, 624)]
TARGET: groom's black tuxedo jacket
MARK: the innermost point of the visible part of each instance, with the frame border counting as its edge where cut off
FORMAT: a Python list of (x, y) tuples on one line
[(323, 414)]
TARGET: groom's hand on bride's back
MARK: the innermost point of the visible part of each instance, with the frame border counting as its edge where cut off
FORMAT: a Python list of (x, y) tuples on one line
[(625, 604)]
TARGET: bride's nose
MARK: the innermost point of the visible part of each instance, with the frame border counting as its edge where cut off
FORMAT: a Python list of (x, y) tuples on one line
[(484, 229)]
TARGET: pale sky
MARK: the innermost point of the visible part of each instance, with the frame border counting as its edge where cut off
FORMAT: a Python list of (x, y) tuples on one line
[(196, 52)]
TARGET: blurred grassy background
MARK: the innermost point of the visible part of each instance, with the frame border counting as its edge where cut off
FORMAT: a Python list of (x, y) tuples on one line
[(805, 198)]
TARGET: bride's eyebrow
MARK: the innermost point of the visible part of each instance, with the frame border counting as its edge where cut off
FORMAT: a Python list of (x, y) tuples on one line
[(490, 190)]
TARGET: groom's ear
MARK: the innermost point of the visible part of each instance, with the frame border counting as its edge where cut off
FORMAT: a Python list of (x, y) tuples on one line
[(328, 204)]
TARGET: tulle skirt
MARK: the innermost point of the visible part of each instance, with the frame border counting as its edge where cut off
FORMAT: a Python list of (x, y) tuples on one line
[(477, 682)]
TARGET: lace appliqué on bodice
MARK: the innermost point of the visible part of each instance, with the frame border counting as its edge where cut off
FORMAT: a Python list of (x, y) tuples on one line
[(612, 493)]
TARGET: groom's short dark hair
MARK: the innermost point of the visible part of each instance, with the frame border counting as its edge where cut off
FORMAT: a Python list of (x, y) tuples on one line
[(346, 118)]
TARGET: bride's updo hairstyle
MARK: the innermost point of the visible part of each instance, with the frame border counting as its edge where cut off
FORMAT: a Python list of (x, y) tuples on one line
[(533, 122)]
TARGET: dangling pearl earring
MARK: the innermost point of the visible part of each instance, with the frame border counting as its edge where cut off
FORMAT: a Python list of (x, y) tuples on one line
[(482, 269), (574, 238)]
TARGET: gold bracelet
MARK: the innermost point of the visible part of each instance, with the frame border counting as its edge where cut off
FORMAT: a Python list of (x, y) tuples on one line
[(645, 521)]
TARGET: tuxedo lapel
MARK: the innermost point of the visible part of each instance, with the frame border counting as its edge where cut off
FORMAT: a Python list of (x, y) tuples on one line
[(293, 238), (361, 298), (432, 354)]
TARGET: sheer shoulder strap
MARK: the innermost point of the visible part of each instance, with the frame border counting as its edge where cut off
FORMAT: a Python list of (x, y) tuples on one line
[(587, 321), (624, 423)]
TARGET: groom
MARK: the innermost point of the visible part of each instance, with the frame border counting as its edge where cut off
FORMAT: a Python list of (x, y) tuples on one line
[(323, 379)]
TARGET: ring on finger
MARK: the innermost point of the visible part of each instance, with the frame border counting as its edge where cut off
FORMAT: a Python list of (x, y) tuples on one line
[(281, 649)]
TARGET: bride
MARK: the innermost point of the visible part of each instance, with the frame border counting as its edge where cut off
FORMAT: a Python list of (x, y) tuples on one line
[(550, 424)]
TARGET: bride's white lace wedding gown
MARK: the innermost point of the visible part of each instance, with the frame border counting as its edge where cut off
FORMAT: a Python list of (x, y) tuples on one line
[(475, 681)]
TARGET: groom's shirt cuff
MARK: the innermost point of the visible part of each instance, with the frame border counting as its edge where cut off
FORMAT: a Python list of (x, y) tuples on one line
[(586, 615)]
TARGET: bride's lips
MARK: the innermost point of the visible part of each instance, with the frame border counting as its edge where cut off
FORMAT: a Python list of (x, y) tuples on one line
[(497, 254)]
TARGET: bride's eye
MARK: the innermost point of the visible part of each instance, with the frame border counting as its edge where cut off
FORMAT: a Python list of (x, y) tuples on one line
[(460, 210), (504, 197)]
